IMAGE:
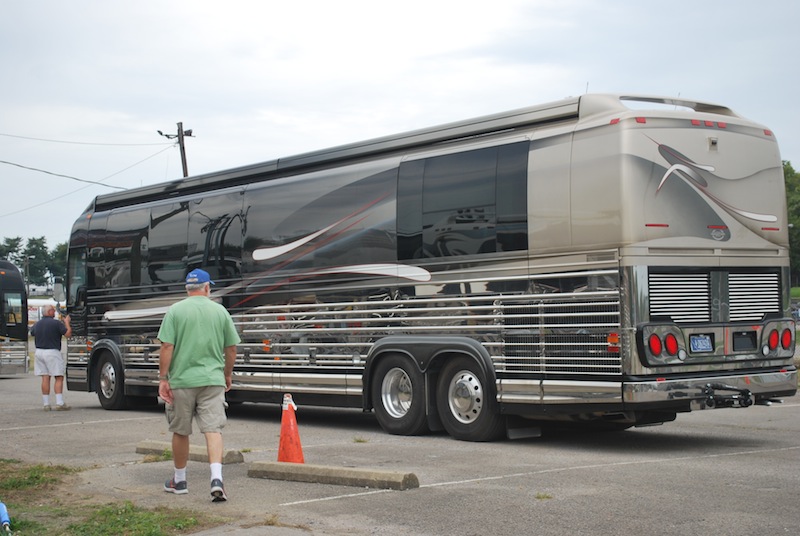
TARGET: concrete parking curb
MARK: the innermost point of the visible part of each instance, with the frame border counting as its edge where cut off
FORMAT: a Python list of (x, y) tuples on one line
[(342, 476), (197, 453)]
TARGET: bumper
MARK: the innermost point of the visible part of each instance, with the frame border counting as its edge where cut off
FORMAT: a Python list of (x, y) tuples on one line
[(762, 386)]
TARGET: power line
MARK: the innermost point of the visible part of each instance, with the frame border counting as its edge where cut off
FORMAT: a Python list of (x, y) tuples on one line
[(60, 175), (79, 142), (84, 187)]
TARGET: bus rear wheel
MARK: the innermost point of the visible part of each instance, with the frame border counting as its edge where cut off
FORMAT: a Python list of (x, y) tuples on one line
[(466, 406), (398, 395), (110, 383)]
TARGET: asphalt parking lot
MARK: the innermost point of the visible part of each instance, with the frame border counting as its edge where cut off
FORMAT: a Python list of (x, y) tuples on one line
[(731, 471)]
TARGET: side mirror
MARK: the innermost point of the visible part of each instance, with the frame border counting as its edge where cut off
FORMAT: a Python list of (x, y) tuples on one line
[(58, 290)]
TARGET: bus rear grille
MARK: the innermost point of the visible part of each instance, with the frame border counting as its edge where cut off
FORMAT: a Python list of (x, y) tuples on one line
[(683, 298), (714, 296), (753, 295)]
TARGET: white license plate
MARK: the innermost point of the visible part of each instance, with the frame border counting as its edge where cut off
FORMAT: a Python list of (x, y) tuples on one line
[(701, 343)]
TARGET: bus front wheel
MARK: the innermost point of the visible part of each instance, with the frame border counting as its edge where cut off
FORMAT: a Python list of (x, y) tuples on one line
[(110, 383), (466, 406), (398, 395)]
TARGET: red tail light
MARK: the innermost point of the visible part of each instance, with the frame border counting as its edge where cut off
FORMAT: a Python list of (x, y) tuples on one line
[(786, 339), (671, 342), (655, 344), (773, 339)]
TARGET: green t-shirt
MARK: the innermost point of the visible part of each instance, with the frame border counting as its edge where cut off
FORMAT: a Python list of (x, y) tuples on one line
[(200, 329)]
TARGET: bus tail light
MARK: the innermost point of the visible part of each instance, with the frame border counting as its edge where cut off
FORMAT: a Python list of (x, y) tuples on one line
[(786, 339), (773, 339), (654, 343), (671, 344)]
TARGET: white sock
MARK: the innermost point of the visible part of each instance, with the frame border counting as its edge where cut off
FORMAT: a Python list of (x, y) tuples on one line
[(216, 471), (46, 400), (180, 475), (59, 399)]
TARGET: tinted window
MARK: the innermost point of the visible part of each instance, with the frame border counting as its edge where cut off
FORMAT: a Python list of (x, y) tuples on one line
[(215, 234), (334, 219), (169, 225), (125, 243), (464, 203), (77, 274)]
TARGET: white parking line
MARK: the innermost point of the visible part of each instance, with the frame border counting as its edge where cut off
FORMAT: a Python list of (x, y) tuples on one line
[(62, 424), (546, 471)]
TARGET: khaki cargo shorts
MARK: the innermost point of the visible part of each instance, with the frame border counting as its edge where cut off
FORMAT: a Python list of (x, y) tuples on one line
[(206, 404)]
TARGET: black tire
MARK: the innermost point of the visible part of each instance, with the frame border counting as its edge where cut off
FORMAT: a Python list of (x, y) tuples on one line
[(466, 404), (398, 395), (110, 383)]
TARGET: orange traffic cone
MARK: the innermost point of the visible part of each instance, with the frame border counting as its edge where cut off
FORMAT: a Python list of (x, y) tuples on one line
[(289, 449)]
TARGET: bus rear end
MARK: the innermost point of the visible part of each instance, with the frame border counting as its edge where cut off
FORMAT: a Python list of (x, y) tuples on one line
[(704, 259)]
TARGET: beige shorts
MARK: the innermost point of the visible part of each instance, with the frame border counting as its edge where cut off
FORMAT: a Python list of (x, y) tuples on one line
[(206, 404)]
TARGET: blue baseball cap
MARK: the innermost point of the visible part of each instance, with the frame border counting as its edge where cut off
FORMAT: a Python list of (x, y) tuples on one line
[(198, 277)]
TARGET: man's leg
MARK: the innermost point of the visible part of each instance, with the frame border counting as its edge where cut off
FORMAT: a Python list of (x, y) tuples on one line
[(59, 389), (214, 445), (180, 457), (46, 391), (179, 417), (180, 450), (45, 385), (58, 385)]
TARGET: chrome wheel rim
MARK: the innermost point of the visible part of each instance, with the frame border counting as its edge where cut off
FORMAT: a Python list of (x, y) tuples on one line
[(396, 393), (465, 397), (108, 380)]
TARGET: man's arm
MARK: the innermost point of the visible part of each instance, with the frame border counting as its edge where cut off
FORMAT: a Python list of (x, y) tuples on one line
[(68, 323), (164, 361), (230, 359)]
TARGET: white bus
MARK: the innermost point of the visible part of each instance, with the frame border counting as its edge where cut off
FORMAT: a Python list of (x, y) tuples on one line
[(581, 261)]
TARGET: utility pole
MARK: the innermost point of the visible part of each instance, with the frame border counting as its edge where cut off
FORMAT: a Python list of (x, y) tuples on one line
[(180, 135), (28, 273), (183, 149)]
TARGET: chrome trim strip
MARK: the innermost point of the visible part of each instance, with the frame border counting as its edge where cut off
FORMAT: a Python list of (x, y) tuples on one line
[(558, 392)]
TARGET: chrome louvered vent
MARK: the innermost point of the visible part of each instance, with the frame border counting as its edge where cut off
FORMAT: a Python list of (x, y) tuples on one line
[(753, 295), (681, 297), (716, 296)]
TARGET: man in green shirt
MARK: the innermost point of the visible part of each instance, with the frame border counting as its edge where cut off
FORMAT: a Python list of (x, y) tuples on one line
[(198, 351)]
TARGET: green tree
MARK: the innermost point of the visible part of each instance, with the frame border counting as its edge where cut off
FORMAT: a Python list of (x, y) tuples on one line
[(792, 180), (38, 259), (58, 261), (43, 264), (11, 250)]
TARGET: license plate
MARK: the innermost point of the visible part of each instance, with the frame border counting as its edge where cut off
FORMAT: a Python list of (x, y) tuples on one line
[(701, 343)]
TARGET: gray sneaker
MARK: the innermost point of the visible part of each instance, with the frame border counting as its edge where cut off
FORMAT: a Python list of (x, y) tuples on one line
[(218, 491), (62, 407), (178, 488), (46, 407)]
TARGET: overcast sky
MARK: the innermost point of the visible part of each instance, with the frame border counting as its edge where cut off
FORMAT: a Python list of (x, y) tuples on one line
[(85, 85)]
